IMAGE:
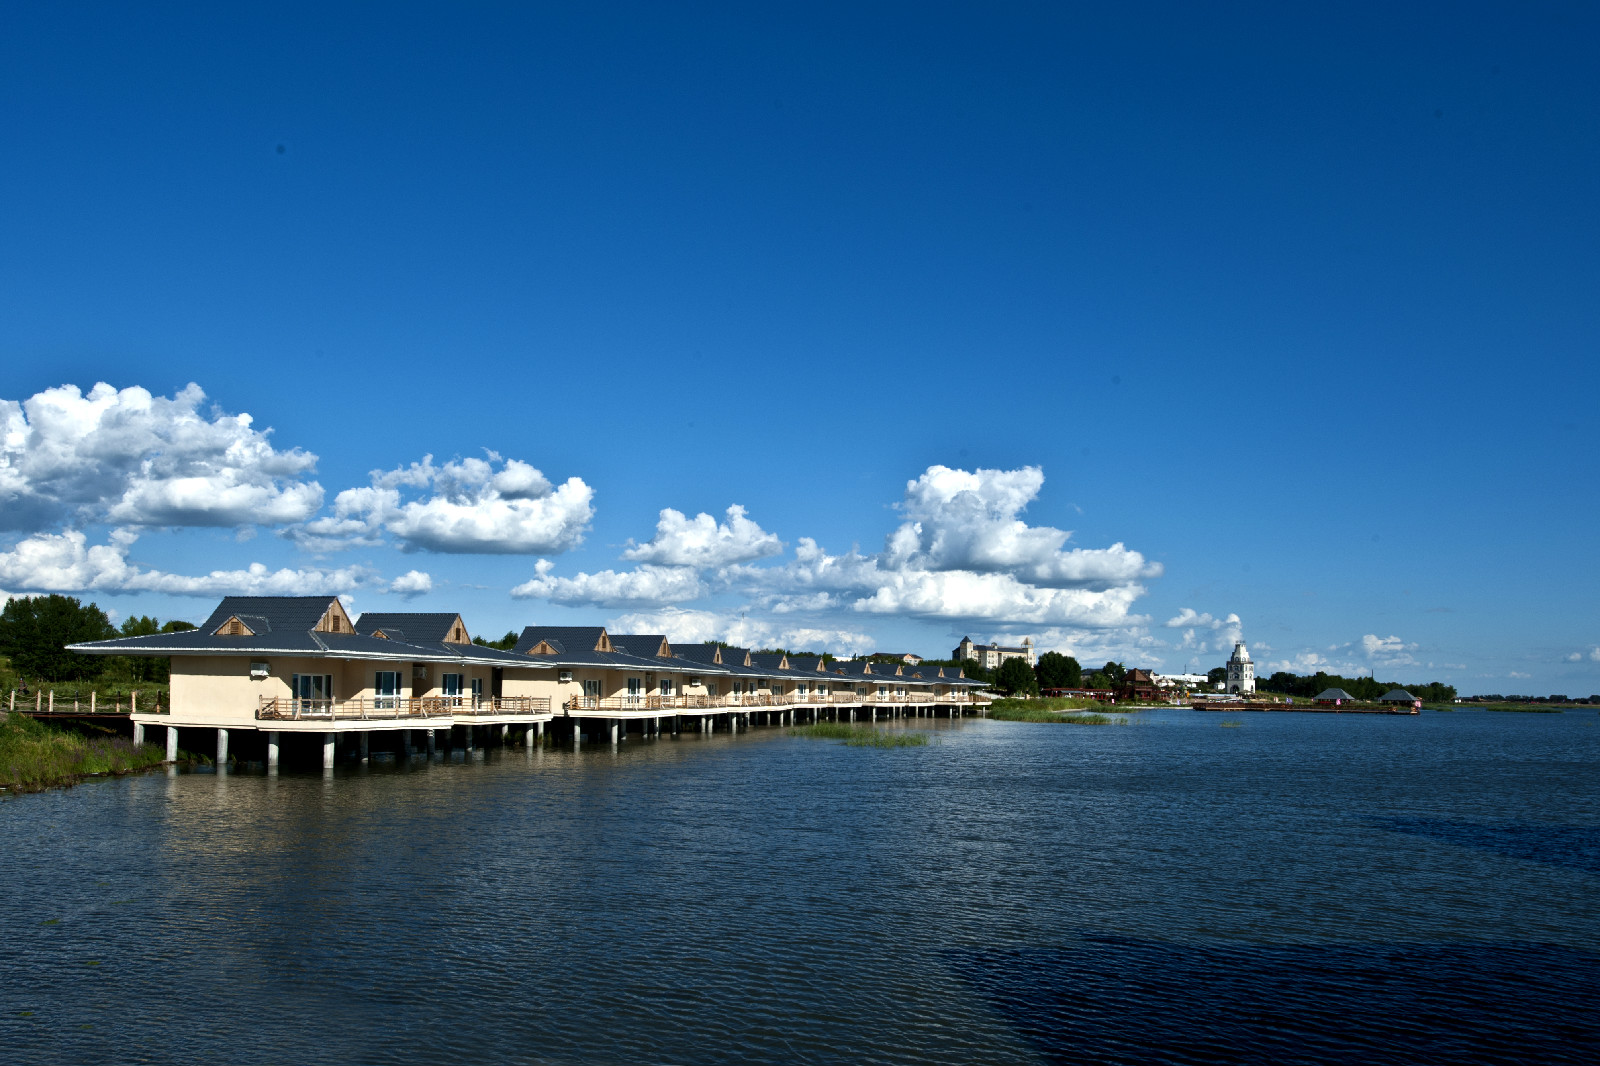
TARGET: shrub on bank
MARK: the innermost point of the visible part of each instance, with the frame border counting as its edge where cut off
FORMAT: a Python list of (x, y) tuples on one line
[(860, 736), (1064, 709), (34, 755)]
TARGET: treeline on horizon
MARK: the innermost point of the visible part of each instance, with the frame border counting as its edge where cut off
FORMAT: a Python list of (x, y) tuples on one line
[(1362, 688), (35, 630)]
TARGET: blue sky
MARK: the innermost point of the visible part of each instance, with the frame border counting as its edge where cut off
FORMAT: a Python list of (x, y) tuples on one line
[(1283, 314)]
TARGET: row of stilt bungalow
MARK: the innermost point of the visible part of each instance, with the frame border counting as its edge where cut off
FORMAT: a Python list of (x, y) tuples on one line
[(266, 671)]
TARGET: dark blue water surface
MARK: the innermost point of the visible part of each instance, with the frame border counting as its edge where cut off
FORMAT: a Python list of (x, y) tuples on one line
[(1293, 889)]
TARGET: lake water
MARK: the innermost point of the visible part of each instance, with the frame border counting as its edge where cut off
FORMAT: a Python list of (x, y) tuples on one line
[(1296, 888)]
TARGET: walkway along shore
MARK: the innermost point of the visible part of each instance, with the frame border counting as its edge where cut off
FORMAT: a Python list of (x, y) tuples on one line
[(264, 672)]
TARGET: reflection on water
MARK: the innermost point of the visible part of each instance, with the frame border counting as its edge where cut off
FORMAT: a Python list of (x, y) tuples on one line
[(1308, 889)]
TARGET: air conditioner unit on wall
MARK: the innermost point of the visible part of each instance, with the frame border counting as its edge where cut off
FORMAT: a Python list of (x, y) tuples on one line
[(419, 672), (260, 671), (565, 675)]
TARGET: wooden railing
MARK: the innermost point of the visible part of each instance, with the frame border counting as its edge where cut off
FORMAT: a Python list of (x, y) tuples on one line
[(77, 702), (380, 708), (505, 705), (645, 704)]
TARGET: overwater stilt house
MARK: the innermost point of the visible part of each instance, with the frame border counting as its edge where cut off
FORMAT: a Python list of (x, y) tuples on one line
[(263, 672)]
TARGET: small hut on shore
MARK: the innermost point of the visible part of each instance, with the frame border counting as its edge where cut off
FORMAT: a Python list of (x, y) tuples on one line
[(1333, 697), (1400, 695)]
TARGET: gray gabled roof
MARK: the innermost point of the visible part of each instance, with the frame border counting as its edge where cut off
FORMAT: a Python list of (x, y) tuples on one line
[(644, 645), (565, 639), (267, 613), (1397, 695), (408, 625), (285, 625), (1334, 694)]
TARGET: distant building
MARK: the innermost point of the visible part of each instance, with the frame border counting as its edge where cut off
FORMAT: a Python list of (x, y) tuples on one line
[(1139, 685), (1241, 671), (1333, 697), (909, 658), (1181, 680), (990, 656)]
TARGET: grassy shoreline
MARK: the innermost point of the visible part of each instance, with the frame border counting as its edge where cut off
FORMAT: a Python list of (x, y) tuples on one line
[(1057, 709), (35, 755), (860, 736)]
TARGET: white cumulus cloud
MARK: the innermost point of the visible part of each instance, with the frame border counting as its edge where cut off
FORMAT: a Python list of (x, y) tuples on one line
[(704, 542), (1388, 651), (967, 520), (481, 506), (689, 626), (610, 588), (411, 583), (134, 459), (66, 562)]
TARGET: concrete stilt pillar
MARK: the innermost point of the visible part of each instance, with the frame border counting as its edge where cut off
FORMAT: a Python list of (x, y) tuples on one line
[(538, 732), (327, 750), (222, 749), (366, 745), (433, 742), (577, 732), (272, 749), (138, 733), (505, 733), (172, 743), (615, 724)]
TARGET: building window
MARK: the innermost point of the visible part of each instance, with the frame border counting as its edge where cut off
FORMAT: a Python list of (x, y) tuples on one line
[(591, 691), (386, 689), (312, 692), (451, 686), (635, 687), (666, 689)]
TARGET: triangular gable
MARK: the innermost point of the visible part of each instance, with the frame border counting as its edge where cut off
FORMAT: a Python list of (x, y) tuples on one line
[(388, 634), (542, 648), (458, 633), (716, 656), (233, 628), (747, 660), (604, 643), (334, 620), (665, 651)]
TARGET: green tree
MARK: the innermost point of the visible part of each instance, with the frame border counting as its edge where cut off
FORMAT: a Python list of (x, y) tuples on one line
[(505, 643), (1055, 670), (178, 625), (35, 630), (1098, 679), (971, 669), (1114, 673), (1015, 678), (1218, 674)]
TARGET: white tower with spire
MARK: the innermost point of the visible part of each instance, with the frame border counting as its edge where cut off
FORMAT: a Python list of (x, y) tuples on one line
[(1241, 671)]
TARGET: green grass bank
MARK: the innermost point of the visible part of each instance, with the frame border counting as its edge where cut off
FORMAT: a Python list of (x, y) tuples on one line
[(1063, 710), (36, 755), (860, 736)]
